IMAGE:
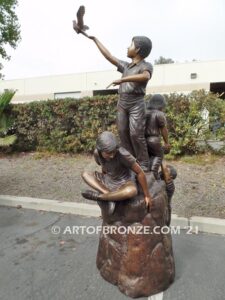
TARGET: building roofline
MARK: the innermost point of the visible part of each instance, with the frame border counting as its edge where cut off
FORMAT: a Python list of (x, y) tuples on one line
[(112, 70)]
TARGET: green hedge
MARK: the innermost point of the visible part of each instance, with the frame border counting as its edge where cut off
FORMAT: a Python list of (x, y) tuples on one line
[(187, 125), (63, 125), (72, 125)]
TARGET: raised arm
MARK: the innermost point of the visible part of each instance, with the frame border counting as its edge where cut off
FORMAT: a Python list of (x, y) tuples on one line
[(105, 52)]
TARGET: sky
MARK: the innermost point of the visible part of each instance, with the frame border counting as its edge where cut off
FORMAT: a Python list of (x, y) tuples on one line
[(179, 29)]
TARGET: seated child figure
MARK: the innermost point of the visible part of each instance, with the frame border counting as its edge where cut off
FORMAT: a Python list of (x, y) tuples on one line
[(115, 182), (156, 125)]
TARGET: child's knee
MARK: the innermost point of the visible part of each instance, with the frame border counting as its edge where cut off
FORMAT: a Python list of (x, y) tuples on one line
[(84, 174), (134, 135), (137, 134), (122, 129), (131, 191)]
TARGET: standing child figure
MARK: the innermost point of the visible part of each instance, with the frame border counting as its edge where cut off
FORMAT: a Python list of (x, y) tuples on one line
[(156, 126), (131, 107)]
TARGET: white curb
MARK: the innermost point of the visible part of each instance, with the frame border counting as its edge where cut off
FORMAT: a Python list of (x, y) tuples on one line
[(179, 221), (210, 225), (65, 207), (156, 297)]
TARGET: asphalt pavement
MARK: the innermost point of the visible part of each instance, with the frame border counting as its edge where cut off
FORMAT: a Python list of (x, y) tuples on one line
[(46, 256)]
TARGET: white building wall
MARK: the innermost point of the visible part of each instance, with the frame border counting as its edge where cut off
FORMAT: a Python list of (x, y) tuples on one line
[(166, 78), (100, 80)]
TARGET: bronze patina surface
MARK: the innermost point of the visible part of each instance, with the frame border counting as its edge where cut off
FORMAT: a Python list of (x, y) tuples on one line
[(139, 264)]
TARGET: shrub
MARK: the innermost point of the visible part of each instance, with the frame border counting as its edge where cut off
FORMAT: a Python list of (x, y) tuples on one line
[(186, 122), (63, 125), (72, 126)]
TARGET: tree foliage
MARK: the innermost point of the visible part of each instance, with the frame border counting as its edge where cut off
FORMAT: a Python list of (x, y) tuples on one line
[(9, 28), (162, 60)]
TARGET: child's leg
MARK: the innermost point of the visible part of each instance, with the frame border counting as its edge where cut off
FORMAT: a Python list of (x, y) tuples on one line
[(93, 182), (123, 129), (156, 154), (126, 191), (137, 134), (155, 164)]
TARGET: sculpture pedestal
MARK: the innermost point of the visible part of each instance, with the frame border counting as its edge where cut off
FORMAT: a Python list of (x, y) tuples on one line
[(135, 255)]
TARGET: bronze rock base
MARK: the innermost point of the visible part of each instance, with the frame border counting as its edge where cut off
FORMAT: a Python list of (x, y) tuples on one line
[(140, 265)]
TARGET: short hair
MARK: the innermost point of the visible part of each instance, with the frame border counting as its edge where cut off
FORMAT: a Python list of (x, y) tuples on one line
[(107, 142), (173, 171), (157, 101), (144, 44)]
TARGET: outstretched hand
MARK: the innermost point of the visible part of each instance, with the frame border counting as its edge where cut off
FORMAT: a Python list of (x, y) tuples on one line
[(117, 82), (114, 83)]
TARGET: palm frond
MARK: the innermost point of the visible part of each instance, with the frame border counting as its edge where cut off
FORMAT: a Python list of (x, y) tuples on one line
[(8, 140), (5, 123), (5, 99)]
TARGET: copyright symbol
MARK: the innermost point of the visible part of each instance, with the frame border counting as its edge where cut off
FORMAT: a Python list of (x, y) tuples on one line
[(55, 229)]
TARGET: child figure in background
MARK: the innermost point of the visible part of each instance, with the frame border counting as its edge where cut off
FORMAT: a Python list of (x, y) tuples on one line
[(115, 182), (168, 174), (156, 126)]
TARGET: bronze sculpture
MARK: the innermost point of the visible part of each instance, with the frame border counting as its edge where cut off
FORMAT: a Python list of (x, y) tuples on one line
[(156, 126), (115, 183), (168, 174), (78, 25), (131, 106), (139, 264)]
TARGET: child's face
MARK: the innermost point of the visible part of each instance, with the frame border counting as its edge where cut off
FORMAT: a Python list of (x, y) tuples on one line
[(108, 155), (131, 51)]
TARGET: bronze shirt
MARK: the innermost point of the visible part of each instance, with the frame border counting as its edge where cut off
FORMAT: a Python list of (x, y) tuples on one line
[(132, 92), (155, 120), (118, 170)]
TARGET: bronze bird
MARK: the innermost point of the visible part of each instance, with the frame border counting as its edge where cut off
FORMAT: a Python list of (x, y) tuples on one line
[(78, 25)]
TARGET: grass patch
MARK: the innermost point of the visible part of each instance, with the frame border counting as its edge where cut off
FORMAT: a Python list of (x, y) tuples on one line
[(49, 154), (200, 159)]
